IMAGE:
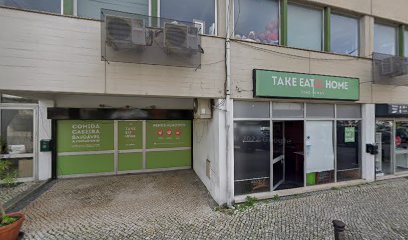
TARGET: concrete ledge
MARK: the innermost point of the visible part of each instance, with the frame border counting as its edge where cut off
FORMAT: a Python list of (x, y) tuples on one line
[(301, 190), (397, 175)]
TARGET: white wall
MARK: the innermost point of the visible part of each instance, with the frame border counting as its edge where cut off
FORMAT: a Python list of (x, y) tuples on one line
[(209, 143), (44, 132)]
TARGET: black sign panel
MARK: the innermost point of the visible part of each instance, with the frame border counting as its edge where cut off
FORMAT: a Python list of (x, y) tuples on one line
[(391, 110)]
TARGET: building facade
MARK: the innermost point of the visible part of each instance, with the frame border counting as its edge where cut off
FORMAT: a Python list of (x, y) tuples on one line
[(265, 97)]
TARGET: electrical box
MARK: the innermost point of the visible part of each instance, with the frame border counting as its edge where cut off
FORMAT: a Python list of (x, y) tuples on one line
[(203, 108), (372, 149), (45, 145)]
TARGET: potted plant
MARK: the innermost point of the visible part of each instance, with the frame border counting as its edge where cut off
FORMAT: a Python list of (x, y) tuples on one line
[(10, 223)]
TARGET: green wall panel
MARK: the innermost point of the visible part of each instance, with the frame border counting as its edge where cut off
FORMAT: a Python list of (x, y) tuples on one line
[(130, 135), (168, 134), (84, 135), (168, 159), (130, 161), (85, 164)]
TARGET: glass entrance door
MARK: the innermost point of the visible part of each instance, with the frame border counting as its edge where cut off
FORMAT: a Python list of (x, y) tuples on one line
[(384, 163), (278, 160)]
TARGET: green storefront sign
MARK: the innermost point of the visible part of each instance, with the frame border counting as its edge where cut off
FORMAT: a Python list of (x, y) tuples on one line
[(269, 83), (168, 134)]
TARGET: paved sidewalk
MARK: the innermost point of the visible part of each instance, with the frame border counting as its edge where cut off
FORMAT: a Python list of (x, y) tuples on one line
[(176, 205)]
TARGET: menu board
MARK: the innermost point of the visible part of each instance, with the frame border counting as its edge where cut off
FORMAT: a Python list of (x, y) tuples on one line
[(168, 134), (130, 135), (349, 134), (84, 135)]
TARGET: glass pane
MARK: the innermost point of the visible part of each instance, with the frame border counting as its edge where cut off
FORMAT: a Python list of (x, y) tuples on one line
[(23, 167), (348, 110), (287, 110), (401, 147), (383, 160), (406, 43), (251, 109), (53, 6), (319, 110), (319, 152), (5, 98), (92, 8), (252, 157), (305, 27), (17, 130), (199, 11), (348, 150), (257, 21), (385, 39), (344, 42), (278, 139)]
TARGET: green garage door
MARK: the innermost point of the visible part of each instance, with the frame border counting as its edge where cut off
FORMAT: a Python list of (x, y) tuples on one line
[(93, 147)]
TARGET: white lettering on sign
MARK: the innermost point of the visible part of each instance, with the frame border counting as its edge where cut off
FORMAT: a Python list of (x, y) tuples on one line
[(85, 133), (309, 83)]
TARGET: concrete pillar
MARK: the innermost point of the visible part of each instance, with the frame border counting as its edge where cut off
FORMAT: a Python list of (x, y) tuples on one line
[(221, 18), (44, 132), (368, 136), (366, 36)]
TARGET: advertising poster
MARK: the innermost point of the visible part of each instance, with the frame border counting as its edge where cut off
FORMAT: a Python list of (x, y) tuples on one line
[(168, 134), (130, 135), (349, 135)]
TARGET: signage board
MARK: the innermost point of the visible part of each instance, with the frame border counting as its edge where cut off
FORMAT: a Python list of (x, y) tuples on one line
[(84, 135), (168, 134), (349, 134), (130, 135), (268, 83), (391, 110)]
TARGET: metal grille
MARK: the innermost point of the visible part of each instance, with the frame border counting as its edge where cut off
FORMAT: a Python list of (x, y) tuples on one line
[(135, 38), (390, 69)]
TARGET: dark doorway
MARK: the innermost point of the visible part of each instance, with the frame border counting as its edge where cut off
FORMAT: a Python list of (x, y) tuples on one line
[(288, 157)]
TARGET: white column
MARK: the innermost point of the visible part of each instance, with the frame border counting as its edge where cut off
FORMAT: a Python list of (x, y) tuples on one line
[(368, 136), (44, 132), (366, 36)]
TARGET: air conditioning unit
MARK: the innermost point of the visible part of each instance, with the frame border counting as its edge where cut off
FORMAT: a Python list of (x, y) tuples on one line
[(203, 108), (122, 32), (392, 66), (192, 38), (175, 36)]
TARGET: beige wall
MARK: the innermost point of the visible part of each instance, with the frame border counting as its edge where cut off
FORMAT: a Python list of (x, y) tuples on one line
[(41, 52)]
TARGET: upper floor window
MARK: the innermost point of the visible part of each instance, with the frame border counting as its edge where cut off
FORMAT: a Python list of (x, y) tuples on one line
[(305, 27), (53, 6), (92, 8), (201, 12), (385, 39), (406, 43), (257, 21), (344, 33)]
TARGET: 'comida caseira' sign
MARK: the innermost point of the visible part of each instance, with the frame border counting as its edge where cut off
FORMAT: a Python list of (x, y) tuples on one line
[(298, 85)]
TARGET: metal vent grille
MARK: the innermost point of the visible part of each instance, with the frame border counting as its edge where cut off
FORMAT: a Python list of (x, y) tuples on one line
[(390, 69), (134, 38)]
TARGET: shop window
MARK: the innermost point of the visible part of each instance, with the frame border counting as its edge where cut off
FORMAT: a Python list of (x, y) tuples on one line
[(53, 6), (257, 21), (319, 152), (305, 26), (348, 111), (320, 110), (251, 157), (287, 110), (251, 109), (401, 146), (201, 12), (385, 39), (17, 140), (341, 41), (92, 8), (348, 150)]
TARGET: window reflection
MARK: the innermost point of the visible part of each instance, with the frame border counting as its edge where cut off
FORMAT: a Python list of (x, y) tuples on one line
[(257, 21), (385, 39), (344, 42), (252, 156), (53, 6), (348, 150)]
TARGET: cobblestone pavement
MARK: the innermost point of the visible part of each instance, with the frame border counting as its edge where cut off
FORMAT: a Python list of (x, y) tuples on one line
[(176, 205), (9, 193)]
